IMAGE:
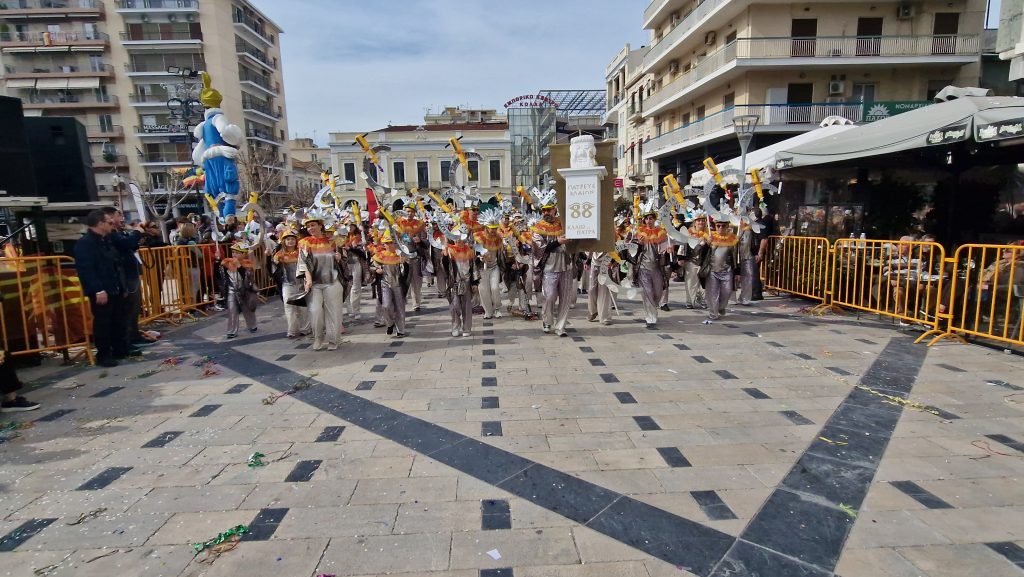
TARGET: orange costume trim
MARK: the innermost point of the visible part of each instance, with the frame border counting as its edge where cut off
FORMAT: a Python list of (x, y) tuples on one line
[(703, 234), (728, 239), (490, 241), (317, 245), (545, 228), (461, 252), (353, 240), (651, 235), (410, 226), (387, 256), (285, 256)]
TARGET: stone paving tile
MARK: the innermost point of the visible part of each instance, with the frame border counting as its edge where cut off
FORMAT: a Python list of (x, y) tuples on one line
[(265, 559), (518, 548), (386, 554), (951, 561)]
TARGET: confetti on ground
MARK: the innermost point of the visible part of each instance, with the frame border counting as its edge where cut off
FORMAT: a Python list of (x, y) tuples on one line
[(831, 442), (494, 554), (299, 386), (256, 460), (108, 554), (850, 511), (985, 446), (172, 362), (43, 571), (236, 531), (143, 375), (90, 515), (673, 371), (899, 401)]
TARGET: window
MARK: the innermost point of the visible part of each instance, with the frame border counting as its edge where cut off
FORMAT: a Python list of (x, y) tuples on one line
[(864, 92), (495, 170), (474, 170), (729, 100), (657, 129), (700, 113), (398, 169), (158, 180), (446, 166), (422, 174), (350, 171), (730, 37), (106, 123)]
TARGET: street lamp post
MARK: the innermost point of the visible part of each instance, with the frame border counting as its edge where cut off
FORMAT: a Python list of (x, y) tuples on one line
[(744, 126)]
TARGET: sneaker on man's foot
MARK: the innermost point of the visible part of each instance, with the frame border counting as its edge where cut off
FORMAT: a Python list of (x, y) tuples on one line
[(107, 362), (455, 333), (391, 329), (399, 335), (332, 346), (467, 334), (19, 404), (230, 336), (253, 329), (707, 321), (665, 308), (592, 318), (547, 328)]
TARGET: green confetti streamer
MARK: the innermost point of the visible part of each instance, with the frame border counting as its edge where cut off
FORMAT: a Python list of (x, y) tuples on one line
[(239, 531), (256, 460), (850, 511)]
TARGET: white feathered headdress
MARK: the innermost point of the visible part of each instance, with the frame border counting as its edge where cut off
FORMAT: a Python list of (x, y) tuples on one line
[(490, 217)]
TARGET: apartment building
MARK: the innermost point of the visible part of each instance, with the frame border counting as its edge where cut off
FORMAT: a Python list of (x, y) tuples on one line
[(627, 86), (126, 70), (792, 65), (419, 158)]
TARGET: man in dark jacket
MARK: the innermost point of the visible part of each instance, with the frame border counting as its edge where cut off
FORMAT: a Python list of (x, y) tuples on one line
[(102, 275), (126, 242)]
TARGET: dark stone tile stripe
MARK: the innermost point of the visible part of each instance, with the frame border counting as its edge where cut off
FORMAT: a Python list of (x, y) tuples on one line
[(796, 418), (775, 344), (586, 349), (107, 392), (702, 359), (712, 505), (488, 365), (265, 524), (921, 495), (22, 533), (330, 434), (489, 352), (303, 471), (488, 381), (725, 374), (1013, 552), (625, 398), (490, 429), (161, 440), (388, 355), (803, 356), (609, 378), (674, 457), (488, 341), (495, 514), (596, 363), (237, 389), (756, 393), (646, 423), (839, 371), (656, 532), (396, 344), (365, 385), (283, 358), (579, 340), (378, 368), (866, 341), (826, 475), (489, 333), (104, 479), (681, 346), (503, 572), (489, 403), (205, 411), (303, 346), (1008, 441), (666, 337), (54, 415)]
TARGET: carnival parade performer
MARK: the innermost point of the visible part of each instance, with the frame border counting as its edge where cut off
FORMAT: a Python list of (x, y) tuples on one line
[(492, 257), (287, 260), (461, 272), (357, 264), (388, 265), (318, 267), (555, 260), (413, 229), (517, 272), (693, 259), (723, 260), (747, 254), (217, 150), (650, 260), (239, 286), (436, 261), (599, 297)]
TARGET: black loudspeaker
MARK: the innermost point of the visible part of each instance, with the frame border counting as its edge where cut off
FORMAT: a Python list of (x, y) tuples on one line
[(17, 178), (62, 165)]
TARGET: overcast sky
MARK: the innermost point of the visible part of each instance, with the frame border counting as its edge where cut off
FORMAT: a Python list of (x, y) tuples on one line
[(356, 66)]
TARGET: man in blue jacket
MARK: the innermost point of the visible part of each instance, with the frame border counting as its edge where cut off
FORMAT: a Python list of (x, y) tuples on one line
[(126, 243), (102, 275)]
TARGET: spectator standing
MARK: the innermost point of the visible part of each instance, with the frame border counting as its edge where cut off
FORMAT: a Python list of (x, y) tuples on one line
[(9, 385), (103, 282), (126, 242)]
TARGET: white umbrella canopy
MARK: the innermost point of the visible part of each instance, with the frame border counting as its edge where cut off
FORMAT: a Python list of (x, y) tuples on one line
[(763, 157), (981, 119)]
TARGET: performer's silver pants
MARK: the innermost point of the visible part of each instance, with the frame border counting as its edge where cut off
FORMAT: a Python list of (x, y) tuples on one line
[(692, 284), (490, 290), (718, 290), (560, 287), (652, 284), (415, 283), (298, 320), (355, 295), (233, 310), (393, 307), (599, 298), (461, 309), (748, 269), (326, 304)]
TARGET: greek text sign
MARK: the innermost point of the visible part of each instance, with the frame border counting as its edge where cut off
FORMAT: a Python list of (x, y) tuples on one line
[(582, 206)]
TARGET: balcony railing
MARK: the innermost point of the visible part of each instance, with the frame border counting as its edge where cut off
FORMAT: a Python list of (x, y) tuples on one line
[(110, 159), (68, 101), (36, 8), (156, 4), (261, 81), (98, 131), (241, 48), (148, 98), (770, 115), (252, 24), (822, 47), (159, 35), (60, 70), (262, 134), (160, 65), (260, 107), (169, 157), (682, 28), (53, 38)]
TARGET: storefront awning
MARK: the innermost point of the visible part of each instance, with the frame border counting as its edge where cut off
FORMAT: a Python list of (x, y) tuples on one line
[(21, 83), (52, 84)]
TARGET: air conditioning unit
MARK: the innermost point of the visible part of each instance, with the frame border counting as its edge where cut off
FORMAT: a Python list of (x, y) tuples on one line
[(709, 38), (904, 11), (836, 87), (172, 17), (191, 17), (673, 67), (145, 17)]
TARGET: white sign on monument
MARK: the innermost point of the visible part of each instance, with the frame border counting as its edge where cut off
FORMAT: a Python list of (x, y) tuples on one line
[(583, 190)]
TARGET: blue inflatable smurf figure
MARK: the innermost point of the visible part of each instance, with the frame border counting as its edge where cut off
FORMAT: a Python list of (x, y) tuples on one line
[(217, 150)]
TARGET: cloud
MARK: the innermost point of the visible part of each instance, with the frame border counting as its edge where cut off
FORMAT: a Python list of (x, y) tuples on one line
[(354, 66)]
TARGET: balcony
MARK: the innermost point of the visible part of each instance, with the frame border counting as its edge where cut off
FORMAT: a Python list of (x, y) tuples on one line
[(640, 170), (54, 41), (261, 110), (255, 56), (158, 5), (262, 135), (51, 9), (140, 100), (170, 157), (773, 118), (26, 76), (157, 64), (161, 130), (688, 23), (96, 132), (635, 113), (751, 53), (252, 26), (169, 38), (260, 82), (109, 160), (46, 102), (658, 8)]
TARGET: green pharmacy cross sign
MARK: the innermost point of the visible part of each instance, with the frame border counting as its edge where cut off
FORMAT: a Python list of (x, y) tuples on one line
[(874, 111)]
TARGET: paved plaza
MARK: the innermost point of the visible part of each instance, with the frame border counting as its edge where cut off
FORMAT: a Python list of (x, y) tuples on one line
[(771, 444)]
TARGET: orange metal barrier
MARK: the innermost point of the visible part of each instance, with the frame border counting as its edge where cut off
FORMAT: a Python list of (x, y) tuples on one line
[(986, 297), (900, 279), (797, 265), (176, 280), (43, 307)]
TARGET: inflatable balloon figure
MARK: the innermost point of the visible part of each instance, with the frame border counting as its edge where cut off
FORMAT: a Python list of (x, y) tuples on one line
[(217, 150)]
